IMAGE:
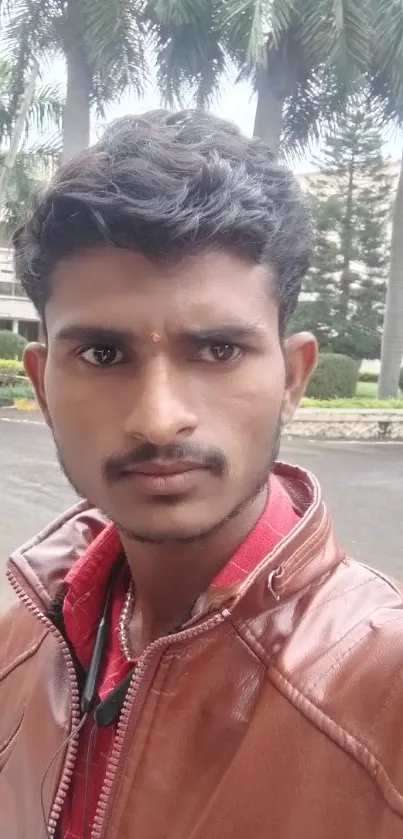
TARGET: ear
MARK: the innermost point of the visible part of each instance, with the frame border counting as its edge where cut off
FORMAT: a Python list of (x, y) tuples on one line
[(34, 358), (301, 355)]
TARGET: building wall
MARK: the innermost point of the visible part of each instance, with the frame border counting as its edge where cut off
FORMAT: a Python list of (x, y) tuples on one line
[(16, 311)]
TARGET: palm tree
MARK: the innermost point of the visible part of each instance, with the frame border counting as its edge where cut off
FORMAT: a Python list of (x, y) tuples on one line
[(300, 55), (102, 42), (24, 164), (386, 80), (16, 135)]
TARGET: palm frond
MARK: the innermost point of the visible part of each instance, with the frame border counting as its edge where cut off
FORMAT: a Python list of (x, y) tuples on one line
[(247, 25), (190, 57), (336, 33), (46, 151), (114, 39), (46, 110), (384, 97), (387, 54), (178, 12), (27, 35), (318, 101), (27, 178)]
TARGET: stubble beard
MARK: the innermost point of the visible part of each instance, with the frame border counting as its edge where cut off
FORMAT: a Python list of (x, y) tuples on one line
[(144, 537)]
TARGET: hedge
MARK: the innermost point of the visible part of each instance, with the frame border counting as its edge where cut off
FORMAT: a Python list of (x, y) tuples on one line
[(371, 378), (354, 404), (9, 366), (11, 344), (335, 377)]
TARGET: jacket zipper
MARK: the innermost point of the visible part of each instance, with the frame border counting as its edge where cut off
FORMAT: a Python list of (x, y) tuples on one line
[(72, 745), (138, 682), (138, 685)]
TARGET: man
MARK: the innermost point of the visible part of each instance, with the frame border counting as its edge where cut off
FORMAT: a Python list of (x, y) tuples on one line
[(199, 660)]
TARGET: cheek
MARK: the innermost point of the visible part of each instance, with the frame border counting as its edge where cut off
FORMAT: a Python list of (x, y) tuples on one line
[(250, 414), (80, 419)]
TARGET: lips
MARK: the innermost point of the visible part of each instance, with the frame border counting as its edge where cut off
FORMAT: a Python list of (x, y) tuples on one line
[(163, 478), (163, 468)]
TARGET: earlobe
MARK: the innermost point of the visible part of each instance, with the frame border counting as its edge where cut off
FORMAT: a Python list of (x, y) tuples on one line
[(301, 353), (35, 355)]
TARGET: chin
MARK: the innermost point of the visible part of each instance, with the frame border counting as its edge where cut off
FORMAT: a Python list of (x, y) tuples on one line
[(169, 531)]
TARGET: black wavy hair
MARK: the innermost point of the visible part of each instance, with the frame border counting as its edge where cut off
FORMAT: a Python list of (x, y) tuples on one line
[(166, 183)]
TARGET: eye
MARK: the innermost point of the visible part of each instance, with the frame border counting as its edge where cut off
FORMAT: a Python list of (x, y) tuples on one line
[(220, 353), (102, 356)]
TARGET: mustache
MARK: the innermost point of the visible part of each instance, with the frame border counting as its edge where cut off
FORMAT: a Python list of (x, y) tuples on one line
[(213, 459)]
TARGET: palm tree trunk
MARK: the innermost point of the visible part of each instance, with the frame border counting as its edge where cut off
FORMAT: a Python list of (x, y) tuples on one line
[(76, 114), (392, 338), (16, 137), (269, 112)]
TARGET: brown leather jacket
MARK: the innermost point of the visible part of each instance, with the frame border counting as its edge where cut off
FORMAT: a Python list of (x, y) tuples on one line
[(278, 713)]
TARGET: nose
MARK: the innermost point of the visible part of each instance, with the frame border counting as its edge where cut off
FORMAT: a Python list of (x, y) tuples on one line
[(160, 412)]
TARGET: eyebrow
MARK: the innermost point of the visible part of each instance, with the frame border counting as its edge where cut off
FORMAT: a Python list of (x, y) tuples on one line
[(93, 335), (226, 333)]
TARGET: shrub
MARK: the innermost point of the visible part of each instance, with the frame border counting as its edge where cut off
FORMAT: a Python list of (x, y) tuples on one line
[(401, 380), (11, 367), (11, 392), (371, 378), (334, 378), (11, 344)]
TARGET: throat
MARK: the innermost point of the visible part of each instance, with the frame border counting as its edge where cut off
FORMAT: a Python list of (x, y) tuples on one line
[(168, 580)]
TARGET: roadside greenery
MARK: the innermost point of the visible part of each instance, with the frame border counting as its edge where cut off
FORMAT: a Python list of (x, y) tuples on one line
[(11, 345), (351, 202), (8, 393), (12, 367), (335, 377), (357, 402)]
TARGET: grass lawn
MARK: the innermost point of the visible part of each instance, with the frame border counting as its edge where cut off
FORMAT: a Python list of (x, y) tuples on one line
[(366, 390)]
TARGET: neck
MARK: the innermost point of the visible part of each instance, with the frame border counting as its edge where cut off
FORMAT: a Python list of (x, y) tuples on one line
[(170, 577)]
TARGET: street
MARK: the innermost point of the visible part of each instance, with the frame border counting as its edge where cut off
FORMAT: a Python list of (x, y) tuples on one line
[(363, 484)]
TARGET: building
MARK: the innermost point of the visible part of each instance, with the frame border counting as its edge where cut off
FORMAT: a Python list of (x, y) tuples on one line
[(16, 312)]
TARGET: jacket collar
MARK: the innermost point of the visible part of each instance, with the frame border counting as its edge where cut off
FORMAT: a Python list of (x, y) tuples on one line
[(307, 552)]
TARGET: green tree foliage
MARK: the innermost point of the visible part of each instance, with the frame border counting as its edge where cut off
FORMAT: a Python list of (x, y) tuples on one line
[(11, 345), (351, 200), (35, 161)]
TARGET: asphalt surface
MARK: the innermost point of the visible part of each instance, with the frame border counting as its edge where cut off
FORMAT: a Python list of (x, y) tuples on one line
[(362, 483)]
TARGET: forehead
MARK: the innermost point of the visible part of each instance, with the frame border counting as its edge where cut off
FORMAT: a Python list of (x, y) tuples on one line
[(123, 288)]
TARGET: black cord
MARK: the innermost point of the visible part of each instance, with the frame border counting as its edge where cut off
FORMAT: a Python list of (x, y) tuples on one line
[(89, 693)]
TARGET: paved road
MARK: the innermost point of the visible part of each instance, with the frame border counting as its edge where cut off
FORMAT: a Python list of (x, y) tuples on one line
[(362, 483)]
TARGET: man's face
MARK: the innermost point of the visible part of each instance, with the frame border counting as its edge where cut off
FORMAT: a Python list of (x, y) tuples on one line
[(165, 385)]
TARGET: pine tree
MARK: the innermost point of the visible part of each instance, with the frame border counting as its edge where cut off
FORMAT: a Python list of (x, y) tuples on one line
[(351, 201)]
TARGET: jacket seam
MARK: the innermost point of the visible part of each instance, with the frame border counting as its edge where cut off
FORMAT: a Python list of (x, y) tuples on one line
[(11, 737), (339, 735), (24, 656)]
